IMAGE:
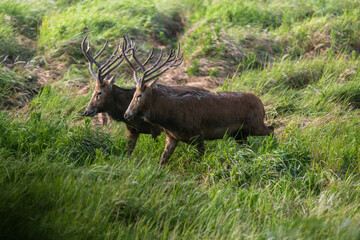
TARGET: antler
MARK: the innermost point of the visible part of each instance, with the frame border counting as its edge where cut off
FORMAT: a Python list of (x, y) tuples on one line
[(174, 59), (110, 64)]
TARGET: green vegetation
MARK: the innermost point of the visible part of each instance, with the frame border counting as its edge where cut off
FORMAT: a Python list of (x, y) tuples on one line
[(62, 176), (15, 88), (111, 21)]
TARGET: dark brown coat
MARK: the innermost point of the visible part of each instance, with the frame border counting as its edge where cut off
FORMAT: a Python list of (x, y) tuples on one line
[(198, 116), (113, 100)]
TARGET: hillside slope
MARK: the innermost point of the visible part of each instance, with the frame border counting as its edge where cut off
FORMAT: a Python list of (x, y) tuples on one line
[(67, 177)]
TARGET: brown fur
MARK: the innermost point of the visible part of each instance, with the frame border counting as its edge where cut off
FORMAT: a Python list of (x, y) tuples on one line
[(198, 116), (114, 101)]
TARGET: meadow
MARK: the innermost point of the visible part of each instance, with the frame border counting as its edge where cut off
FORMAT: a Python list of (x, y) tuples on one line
[(63, 176)]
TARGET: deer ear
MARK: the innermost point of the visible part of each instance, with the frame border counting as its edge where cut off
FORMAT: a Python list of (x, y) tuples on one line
[(112, 80), (152, 84)]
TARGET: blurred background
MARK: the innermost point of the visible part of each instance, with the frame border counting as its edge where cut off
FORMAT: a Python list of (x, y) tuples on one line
[(64, 176)]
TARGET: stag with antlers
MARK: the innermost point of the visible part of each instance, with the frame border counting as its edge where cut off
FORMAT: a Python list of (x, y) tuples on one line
[(113, 100), (195, 116)]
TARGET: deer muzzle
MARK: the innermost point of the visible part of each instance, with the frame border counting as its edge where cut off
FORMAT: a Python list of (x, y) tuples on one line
[(128, 115), (90, 113)]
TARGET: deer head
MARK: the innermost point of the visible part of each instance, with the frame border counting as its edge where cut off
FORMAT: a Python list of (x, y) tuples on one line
[(102, 98), (146, 78)]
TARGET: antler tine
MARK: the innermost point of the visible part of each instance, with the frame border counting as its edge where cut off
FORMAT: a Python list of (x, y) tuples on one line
[(136, 59), (120, 56), (148, 72), (109, 65), (86, 54), (125, 47), (132, 47), (119, 59), (127, 40), (150, 57), (101, 50), (170, 58), (91, 61), (89, 55), (181, 59), (177, 58), (172, 66), (83, 48), (141, 66), (106, 65), (175, 61), (130, 44), (83, 45), (178, 52), (124, 53)]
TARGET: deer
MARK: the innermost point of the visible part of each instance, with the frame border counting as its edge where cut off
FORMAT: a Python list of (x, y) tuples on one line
[(113, 100), (195, 116)]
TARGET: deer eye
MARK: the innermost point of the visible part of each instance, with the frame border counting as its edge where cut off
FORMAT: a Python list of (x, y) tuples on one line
[(138, 97), (98, 94)]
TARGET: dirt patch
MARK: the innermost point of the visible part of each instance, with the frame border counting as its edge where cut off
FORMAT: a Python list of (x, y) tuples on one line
[(179, 77), (50, 72), (18, 84), (347, 74)]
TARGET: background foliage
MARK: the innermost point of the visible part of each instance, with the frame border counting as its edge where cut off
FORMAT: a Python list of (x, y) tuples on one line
[(66, 177)]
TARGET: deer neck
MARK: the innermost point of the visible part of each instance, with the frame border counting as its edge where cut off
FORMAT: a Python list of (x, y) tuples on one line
[(121, 98), (162, 109)]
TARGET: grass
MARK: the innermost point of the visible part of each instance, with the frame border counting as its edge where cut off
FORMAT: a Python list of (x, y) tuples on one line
[(257, 33), (16, 88), (62, 176), (144, 19)]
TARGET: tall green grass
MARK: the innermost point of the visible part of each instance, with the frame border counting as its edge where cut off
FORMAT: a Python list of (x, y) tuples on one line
[(252, 34), (16, 88), (158, 20), (64, 176)]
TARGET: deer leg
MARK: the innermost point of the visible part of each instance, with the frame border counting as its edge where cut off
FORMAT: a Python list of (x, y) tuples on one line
[(103, 119), (261, 130), (170, 145), (132, 137), (200, 146), (241, 137), (241, 141), (155, 133)]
